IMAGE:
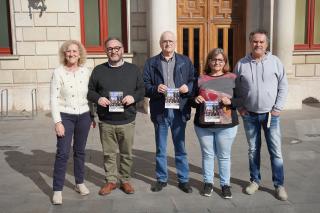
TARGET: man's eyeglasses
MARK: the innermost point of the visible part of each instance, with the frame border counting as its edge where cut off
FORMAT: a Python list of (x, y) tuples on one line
[(111, 49), (217, 60), (167, 41)]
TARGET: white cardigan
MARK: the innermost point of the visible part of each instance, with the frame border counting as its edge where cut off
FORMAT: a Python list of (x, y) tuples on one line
[(69, 92)]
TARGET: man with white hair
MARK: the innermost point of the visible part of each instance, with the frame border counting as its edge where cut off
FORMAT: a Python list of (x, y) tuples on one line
[(169, 70)]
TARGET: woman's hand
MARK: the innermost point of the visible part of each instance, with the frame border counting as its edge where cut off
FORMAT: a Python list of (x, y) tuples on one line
[(226, 101), (59, 128), (199, 99)]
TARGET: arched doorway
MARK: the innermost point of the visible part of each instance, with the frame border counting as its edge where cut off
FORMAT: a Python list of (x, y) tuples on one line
[(206, 24)]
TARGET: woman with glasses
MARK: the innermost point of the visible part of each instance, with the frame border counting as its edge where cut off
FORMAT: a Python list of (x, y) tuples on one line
[(70, 113), (216, 120)]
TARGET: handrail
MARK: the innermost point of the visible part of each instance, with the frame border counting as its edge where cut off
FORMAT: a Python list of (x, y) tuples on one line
[(34, 102), (4, 92)]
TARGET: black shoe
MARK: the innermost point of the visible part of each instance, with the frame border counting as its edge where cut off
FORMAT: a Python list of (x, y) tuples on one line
[(207, 189), (158, 186), (185, 187), (226, 193)]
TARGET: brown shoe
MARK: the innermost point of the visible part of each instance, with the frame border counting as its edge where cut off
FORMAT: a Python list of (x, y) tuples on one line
[(107, 188), (127, 188)]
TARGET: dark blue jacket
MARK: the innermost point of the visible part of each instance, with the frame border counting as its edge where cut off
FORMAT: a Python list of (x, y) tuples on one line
[(184, 73)]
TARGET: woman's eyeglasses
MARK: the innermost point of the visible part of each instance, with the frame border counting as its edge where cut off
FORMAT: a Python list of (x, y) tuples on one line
[(217, 60)]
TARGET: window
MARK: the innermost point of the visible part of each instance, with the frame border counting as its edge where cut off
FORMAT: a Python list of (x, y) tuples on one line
[(5, 28), (101, 19), (307, 25)]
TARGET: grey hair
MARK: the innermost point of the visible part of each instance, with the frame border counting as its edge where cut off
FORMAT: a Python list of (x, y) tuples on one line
[(259, 31)]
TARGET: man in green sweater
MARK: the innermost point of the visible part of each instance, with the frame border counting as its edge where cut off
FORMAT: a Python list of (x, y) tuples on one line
[(115, 87)]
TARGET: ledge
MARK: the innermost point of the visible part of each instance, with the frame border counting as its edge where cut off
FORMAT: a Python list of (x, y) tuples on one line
[(9, 57), (306, 52), (93, 56)]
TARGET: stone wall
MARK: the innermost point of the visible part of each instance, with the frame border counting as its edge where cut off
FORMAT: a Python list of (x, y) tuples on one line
[(36, 38), (306, 68), (139, 43)]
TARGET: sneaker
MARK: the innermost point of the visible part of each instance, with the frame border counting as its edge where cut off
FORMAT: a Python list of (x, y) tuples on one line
[(82, 189), (252, 188), (185, 187), (226, 192), (207, 189), (57, 198), (281, 193), (158, 186)]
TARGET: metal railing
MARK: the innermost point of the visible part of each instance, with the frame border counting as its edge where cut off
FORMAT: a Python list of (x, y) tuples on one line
[(4, 113), (34, 106), (4, 100)]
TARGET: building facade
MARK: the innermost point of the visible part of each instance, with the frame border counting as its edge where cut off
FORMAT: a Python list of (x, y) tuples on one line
[(33, 30)]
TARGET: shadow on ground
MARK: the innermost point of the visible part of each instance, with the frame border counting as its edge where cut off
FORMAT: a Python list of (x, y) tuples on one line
[(39, 162)]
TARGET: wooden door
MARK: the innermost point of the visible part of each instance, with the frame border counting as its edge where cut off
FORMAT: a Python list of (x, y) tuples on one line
[(193, 39), (225, 36), (206, 24)]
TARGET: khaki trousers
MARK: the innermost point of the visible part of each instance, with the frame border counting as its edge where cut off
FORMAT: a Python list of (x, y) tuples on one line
[(114, 138)]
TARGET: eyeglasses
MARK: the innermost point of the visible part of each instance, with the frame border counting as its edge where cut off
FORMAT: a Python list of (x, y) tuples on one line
[(217, 60), (167, 41), (110, 49)]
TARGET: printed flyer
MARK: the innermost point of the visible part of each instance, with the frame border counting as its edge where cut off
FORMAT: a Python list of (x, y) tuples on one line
[(115, 98)]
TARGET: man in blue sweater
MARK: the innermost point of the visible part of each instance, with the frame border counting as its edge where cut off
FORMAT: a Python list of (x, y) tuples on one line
[(169, 71), (261, 87)]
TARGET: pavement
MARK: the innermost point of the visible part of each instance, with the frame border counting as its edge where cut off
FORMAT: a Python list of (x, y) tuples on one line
[(27, 151)]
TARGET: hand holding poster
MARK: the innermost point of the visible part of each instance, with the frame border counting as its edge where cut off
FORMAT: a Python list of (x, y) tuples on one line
[(115, 98), (172, 98)]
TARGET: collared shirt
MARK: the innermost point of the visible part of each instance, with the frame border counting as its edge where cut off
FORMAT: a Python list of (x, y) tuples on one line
[(119, 65), (168, 68)]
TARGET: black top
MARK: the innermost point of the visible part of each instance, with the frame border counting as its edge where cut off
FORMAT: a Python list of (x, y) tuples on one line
[(126, 78), (215, 87)]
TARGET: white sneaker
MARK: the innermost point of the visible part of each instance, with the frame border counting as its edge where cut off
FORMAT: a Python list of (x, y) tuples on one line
[(57, 198), (252, 188), (82, 189), (281, 193)]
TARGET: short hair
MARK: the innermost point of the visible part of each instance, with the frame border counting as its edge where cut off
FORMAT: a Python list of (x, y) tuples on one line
[(259, 31), (111, 39), (162, 34), (64, 47), (213, 53)]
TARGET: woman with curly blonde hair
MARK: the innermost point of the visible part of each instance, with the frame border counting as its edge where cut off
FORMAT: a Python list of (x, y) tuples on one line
[(71, 116)]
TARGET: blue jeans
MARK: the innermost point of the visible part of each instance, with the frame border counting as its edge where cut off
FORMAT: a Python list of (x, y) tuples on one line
[(216, 142), (172, 119), (77, 129), (252, 125)]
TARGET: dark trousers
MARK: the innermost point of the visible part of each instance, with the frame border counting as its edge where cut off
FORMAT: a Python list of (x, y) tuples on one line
[(77, 128)]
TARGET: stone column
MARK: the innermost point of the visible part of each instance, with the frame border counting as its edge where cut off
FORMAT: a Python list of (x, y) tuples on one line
[(162, 17), (252, 19), (283, 32)]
